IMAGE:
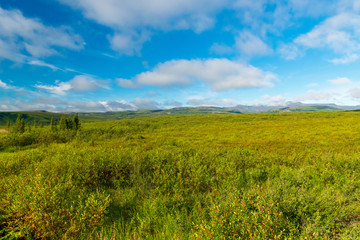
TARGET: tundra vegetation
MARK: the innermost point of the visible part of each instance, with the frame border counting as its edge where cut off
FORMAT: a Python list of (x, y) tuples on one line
[(244, 176)]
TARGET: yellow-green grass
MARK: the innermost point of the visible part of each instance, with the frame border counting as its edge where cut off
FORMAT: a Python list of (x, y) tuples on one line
[(247, 176)]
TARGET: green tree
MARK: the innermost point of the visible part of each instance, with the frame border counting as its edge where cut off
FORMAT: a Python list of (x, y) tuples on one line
[(76, 122), (19, 126), (8, 125), (63, 124), (69, 123), (35, 124), (53, 125)]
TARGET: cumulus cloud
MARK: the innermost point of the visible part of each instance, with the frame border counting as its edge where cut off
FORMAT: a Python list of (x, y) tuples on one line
[(251, 45), (133, 21), (129, 43), (219, 74), (161, 14), (339, 33), (23, 38), (125, 83), (246, 44), (340, 81), (80, 83)]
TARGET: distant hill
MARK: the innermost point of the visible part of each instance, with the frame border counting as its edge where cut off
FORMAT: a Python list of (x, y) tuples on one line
[(45, 117), (307, 109)]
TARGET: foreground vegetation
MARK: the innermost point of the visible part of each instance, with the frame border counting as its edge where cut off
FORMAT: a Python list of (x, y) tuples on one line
[(247, 176)]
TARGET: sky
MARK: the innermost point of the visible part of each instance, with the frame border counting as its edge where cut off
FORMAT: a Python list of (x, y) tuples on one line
[(115, 55)]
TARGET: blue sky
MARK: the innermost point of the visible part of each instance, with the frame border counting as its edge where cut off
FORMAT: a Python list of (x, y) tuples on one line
[(114, 55)]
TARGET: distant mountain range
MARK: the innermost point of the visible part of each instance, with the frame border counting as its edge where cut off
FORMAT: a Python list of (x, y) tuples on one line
[(43, 117), (295, 107)]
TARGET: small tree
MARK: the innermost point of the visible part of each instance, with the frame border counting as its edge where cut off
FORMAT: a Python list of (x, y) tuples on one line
[(35, 124), (8, 125), (69, 123), (76, 122), (19, 126), (53, 125), (63, 124)]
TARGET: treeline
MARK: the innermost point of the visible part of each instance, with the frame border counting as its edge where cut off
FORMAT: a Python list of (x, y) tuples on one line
[(70, 123), (22, 134)]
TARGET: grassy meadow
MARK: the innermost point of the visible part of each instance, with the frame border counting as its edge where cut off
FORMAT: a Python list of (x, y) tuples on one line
[(228, 176)]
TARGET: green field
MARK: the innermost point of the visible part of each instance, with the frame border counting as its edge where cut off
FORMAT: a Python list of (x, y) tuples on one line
[(215, 176)]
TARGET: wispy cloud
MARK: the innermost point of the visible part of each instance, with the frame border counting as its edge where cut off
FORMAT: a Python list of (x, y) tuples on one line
[(23, 37), (80, 83), (7, 86), (340, 81)]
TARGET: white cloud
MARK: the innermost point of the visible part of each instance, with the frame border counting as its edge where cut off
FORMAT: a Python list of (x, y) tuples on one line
[(319, 96), (58, 105), (289, 51), (129, 43), (277, 100), (80, 83), (145, 103), (246, 44), (219, 74), (43, 64), (355, 92), (160, 14), (211, 102), (22, 37), (346, 59), (61, 89), (125, 83), (7, 86), (221, 49), (132, 21), (120, 105), (251, 45), (4, 85), (339, 33), (340, 81)]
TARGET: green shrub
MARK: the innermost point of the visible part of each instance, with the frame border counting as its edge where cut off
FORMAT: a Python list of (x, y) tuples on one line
[(43, 208)]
